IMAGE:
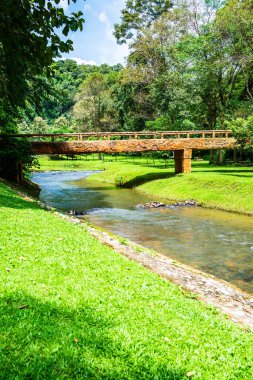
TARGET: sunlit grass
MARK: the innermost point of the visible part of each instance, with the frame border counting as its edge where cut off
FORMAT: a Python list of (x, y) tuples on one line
[(71, 308)]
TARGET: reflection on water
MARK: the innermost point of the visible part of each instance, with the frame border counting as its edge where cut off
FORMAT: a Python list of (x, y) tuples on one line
[(214, 241)]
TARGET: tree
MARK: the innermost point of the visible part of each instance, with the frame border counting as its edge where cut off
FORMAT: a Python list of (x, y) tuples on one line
[(67, 76), (91, 102), (234, 23), (39, 125), (29, 41), (61, 125), (12, 152), (158, 75), (138, 15), (181, 69), (243, 132)]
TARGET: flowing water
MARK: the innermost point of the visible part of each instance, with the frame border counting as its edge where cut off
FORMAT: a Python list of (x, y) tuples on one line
[(216, 242)]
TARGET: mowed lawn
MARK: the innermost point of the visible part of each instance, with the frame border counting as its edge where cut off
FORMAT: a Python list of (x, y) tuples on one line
[(72, 308), (225, 187)]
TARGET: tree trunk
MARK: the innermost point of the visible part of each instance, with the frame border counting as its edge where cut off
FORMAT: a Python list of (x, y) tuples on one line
[(235, 159), (211, 158), (219, 157)]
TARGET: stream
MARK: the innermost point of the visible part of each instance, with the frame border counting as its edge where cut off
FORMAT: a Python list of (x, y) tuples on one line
[(213, 241)]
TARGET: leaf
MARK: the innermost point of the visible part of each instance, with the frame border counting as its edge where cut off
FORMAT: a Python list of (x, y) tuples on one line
[(65, 30)]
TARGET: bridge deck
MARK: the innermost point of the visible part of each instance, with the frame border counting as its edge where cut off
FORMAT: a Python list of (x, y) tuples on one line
[(182, 142)]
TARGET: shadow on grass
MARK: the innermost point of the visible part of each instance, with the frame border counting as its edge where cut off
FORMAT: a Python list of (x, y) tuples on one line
[(11, 200), (237, 175), (163, 166), (232, 173), (43, 340), (217, 170), (141, 179)]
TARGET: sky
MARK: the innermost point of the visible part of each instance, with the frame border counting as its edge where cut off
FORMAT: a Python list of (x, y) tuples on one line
[(96, 43)]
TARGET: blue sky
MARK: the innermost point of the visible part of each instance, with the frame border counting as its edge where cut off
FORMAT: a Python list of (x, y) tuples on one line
[(96, 43)]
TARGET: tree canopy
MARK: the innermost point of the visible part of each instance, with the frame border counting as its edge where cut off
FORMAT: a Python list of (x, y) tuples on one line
[(139, 14), (190, 67), (29, 41)]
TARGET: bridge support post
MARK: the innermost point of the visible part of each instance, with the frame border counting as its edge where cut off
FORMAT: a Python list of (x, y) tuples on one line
[(183, 160)]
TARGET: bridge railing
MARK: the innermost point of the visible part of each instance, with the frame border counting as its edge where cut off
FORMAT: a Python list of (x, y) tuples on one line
[(126, 135)]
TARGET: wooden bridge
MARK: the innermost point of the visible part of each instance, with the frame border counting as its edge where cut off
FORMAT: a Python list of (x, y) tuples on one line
[(181, 142)]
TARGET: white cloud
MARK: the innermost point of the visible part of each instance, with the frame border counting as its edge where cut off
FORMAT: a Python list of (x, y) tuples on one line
[(111, 51), (103, 17), (108, 26), (81, 61)]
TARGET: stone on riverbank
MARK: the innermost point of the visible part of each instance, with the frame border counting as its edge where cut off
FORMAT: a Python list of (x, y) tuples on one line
[(151, 205), (155, 204)]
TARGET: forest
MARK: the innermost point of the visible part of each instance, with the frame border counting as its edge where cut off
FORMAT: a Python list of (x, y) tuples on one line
[(190, 67)]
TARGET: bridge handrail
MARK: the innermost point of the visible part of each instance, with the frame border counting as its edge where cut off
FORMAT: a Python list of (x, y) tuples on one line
[(79, 136)]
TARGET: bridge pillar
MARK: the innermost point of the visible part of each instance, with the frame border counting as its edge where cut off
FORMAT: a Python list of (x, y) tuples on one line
[(183, 160)]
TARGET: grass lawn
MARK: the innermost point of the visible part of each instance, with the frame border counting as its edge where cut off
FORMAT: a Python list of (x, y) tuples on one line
[(72, 308), (225, 187)]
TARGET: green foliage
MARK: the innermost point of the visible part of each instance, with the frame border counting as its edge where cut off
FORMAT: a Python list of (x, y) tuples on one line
[(61, 125), (39, 125), (29, 42), (12, 152), (119, 181), (191, 67), (163, 123), (67, 77), (94, 109), (137, 15), (243, 132), (160, 124)]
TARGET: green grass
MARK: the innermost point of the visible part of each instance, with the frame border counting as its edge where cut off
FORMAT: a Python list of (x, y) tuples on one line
[(224, 187), (72, 308)]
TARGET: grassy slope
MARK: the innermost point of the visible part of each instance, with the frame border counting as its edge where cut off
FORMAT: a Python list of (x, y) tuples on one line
[(72, 308), (229, 188)]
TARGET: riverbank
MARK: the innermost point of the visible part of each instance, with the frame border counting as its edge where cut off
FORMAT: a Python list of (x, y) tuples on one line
[(72, 307), (227, 188)]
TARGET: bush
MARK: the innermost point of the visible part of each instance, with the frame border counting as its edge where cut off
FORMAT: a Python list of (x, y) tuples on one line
[(119, 181)]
